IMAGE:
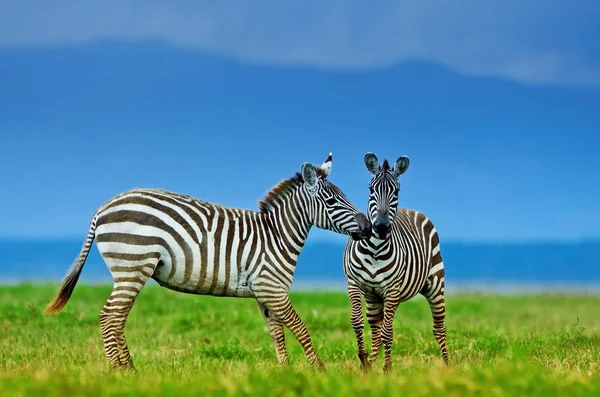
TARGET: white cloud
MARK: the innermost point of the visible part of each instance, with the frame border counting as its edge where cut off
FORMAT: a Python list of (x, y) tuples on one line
[(533, 41)]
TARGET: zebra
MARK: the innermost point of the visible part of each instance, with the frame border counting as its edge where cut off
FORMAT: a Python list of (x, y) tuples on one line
[(197, 247), (401, 259)]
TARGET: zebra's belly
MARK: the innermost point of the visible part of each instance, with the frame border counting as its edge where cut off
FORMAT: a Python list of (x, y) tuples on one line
[(218, 289), (378, 291), (208, 280)]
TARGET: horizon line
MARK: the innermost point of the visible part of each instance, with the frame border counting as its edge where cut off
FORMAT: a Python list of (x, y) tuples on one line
[(341, 240)]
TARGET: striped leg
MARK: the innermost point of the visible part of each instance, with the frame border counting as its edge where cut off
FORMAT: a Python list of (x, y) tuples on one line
[(434, 293), (358, 323), (375, 319), (390, 304), (281, 307), (128, 282), (277, 334)]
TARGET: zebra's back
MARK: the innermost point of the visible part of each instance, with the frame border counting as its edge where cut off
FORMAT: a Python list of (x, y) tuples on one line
[(202, 248), (406, 260)]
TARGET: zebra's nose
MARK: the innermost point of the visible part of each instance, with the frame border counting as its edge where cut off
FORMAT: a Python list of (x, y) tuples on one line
[(364, 227), (382, 225)]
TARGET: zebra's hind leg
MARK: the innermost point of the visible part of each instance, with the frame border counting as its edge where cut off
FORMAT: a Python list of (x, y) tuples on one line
[(390, 304), (358, 323), (277, 334), (375, 319), (434, 293), (280, 306), (128, 282)]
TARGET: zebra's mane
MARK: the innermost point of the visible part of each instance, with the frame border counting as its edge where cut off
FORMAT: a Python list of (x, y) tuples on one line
[(283, 189), (385, 166)]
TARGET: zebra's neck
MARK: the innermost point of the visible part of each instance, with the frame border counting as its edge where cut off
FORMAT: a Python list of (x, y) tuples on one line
[(289, 224)]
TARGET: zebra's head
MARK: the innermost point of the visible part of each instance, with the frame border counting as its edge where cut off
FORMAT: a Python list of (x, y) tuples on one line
[(383, 191), (331, 209)]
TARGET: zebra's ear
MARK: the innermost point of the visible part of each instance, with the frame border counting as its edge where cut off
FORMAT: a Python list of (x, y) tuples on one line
[(401, 165), (372, 163), (309, 174), (326, 166)]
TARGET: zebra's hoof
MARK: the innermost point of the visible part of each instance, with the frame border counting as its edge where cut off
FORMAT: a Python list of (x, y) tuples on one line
[(123, 368), (364, 359), (319, 365)]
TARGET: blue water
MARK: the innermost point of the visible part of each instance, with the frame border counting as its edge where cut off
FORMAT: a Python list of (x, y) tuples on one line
[(320, 263)]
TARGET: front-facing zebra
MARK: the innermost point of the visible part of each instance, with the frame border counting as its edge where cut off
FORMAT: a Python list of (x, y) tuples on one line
[(203, 248), (401, 259)]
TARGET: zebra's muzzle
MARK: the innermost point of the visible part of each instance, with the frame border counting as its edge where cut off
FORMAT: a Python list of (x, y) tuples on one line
[(364, 227), (382, 226)]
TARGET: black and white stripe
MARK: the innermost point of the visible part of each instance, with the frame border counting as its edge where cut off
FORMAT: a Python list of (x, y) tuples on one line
[(400, 260), (197, 247)]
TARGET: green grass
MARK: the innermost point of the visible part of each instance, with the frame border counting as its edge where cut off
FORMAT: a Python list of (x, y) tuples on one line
[(539, 345)]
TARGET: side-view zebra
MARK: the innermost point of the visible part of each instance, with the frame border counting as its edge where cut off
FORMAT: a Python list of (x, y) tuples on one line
[(400, 260), (202, 248)]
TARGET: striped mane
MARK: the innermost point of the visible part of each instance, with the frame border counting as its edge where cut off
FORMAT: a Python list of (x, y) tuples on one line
[(386, 165), (283, 189)]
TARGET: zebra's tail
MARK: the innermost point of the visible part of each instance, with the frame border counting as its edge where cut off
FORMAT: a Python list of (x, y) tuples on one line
[(68, 285)]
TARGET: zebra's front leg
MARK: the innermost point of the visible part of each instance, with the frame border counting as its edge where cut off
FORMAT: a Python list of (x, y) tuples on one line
[(390, 304), (375, 319), (358, 324), (277, 334), (281, 307)]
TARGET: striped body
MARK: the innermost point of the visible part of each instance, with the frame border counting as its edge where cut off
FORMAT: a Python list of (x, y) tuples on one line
[(202, 248), (408, 261), (401, 260)]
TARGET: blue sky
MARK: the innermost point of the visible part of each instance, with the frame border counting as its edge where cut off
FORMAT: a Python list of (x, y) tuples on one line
[(498, 107)]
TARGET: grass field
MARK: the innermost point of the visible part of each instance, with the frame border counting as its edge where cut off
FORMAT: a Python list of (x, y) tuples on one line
[(541, 345)]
